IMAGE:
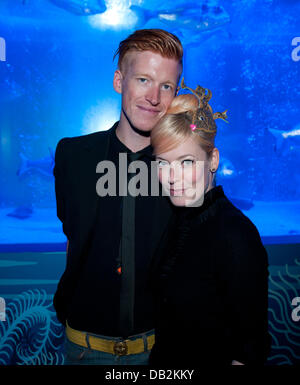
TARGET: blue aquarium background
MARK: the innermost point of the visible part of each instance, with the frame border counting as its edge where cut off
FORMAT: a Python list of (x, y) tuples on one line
[(56, 71)]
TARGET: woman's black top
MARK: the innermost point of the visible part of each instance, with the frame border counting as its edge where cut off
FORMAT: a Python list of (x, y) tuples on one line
[(210, 282)]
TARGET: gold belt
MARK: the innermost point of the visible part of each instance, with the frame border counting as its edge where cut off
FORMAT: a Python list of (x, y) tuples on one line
[(120, 348)]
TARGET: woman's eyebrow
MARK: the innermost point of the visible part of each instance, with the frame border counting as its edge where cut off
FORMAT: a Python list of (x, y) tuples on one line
[(159, 157), (180, 157), (183, 156)]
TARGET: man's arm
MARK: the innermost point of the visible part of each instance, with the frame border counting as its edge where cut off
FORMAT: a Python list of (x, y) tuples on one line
[(60, 189)]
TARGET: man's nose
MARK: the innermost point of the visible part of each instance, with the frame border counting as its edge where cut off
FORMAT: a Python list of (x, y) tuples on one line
[(153, 95)]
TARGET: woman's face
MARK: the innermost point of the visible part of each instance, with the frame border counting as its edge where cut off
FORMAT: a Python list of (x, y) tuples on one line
[(183, 173)]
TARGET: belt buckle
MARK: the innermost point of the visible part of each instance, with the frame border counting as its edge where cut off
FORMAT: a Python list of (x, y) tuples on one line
[(120, 348)]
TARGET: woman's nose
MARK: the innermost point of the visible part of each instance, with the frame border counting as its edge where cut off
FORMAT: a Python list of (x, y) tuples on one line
[(174, 174), (171, 175)]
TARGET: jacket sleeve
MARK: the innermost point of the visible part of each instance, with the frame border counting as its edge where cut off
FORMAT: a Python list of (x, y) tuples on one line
[(59, 175), (245, 273), (61, 295)]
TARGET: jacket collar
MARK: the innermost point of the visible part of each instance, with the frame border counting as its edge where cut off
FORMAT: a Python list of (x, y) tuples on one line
[(210, 197)]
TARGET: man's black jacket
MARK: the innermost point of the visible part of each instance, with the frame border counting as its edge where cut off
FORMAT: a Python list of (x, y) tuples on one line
[(78, 205)]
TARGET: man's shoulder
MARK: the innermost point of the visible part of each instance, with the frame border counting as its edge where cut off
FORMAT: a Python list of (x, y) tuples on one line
[(85, 139), (81, 141)]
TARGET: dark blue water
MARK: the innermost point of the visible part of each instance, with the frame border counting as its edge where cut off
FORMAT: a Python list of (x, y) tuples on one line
[(56, 74), (57, 81)]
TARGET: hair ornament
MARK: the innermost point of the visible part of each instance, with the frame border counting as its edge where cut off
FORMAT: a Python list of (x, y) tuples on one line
[(203, 117)]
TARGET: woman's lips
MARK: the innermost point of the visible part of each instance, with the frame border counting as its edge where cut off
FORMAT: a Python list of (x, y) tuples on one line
[(178, 192), (181, 191)]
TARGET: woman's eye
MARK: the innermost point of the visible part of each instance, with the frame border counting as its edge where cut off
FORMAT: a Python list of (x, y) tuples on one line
[(161, 163), (187, 162)]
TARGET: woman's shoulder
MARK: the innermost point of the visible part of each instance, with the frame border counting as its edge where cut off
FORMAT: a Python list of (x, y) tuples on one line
[(232, 221), (238, 241)]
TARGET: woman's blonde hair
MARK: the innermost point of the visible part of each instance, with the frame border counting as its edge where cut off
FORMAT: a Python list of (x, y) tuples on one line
[(175, 127)]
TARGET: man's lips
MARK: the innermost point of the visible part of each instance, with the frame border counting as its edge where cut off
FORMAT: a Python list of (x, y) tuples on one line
[(149, 110)]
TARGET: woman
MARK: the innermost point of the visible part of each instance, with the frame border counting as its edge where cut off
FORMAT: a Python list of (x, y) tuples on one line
[(210, 278)]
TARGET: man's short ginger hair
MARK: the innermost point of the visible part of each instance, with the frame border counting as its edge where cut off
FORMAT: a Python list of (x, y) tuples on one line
[(155, 40)]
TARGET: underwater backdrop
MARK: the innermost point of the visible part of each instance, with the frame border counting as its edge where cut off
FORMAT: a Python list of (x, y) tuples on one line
[(56, 71)]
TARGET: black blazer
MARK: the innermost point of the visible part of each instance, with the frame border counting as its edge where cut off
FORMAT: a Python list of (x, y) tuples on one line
[(78, 204)]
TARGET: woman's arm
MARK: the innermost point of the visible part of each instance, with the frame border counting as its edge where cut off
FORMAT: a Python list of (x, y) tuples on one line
[(245, 273)]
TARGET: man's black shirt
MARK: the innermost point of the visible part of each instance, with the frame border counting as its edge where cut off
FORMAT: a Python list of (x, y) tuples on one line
[(95, 305)]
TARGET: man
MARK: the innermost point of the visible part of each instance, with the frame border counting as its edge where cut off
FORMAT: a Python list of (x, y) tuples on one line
[(102, 296)]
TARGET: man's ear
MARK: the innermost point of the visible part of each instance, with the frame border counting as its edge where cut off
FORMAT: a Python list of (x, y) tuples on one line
[(117, 82), (214, 159)]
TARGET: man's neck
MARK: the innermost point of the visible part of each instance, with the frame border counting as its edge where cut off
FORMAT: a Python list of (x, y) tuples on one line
[(132, 140)]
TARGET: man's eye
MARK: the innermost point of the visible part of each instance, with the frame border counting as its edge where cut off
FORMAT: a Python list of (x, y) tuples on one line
[(187, 162), (142, 80), (167, 87)]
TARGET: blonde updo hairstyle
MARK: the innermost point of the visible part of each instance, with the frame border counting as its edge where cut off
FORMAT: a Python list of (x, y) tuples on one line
[(175, 127)]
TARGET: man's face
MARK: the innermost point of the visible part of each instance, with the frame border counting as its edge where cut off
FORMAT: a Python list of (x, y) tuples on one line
[(147, 82)]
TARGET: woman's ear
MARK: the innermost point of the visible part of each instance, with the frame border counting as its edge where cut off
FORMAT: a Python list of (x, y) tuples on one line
[(214, 160), (117, 82)]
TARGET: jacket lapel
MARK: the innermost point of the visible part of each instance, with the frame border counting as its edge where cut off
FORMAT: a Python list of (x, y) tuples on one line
[(92, 152), (159, 222)]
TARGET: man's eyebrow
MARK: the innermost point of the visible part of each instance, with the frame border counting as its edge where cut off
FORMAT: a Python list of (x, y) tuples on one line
[(143, 75), (170, 82)]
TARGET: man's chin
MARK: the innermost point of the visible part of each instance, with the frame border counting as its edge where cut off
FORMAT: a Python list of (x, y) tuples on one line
[(149, 123), (144, 124), (144, 128)]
